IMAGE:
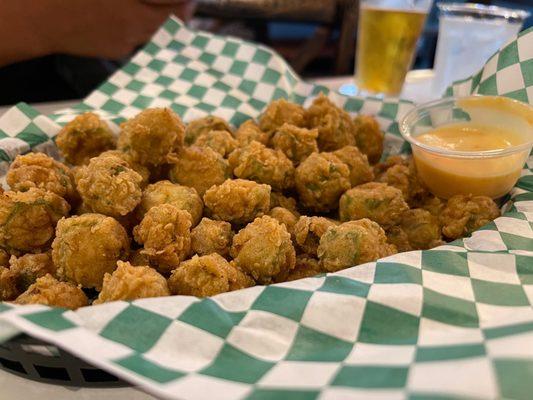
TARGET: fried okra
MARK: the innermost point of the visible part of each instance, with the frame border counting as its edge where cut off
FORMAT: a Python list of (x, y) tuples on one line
[(248, 132), (335, 127), (139, 168), (28, 220), (263, 249), (397, 236), (29, 267), (280, 112), (208, 275), (152, 136), (8, 285), (88, 246), (107, 185), (320, 180), (37, 170), (277, 199), (401, 174), (464, 214), (376, 201), (285, 217), (368, 137), (130, 282), (200, 168), (305, 267), (257, 162), (204, 125), (211, 236), (357, 162), (353, 243), (422, 229), (165, 192), (165, 235), (296, 143), (238, 201), (308, 231), (48, 291), (83, 138), (220, 141)]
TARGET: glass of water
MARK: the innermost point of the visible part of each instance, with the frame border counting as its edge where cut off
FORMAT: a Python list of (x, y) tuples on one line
[(468, 35)]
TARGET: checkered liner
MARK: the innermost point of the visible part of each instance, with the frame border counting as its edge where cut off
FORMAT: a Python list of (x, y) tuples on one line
[(455, 321)]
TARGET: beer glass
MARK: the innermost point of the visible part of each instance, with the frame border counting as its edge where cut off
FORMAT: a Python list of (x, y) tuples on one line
[(386, 41)]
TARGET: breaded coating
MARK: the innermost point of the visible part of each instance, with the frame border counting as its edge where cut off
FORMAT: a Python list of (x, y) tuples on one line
[(257, 162), (305, 267), (308, 231), (263, 249), (296, 143), (285, 217), (368, 136), (360, 171), (397, 236), (279, 112), (249, 131), (107, 185), (83, 138), (29, 267), (211, 236), (321, 179), (335, 127), (379, 202), (152, 136), (206, 276), (204, 125), (165, 192), (464, 214), (138, 258), (38, 170), (4, 258), (139, 168), (200, 168), (353, 243), (165, 233), (130, 282), (28, 220), (238, 201), (8, 285), (48, 291), (277, 199), (430, 203), (88, 246), (220, 141), (421, 228), (401, 174)]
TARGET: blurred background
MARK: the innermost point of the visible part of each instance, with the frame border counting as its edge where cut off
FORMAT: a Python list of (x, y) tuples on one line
[(65, 52)]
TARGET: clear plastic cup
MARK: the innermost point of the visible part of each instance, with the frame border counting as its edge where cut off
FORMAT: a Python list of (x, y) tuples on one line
[(449, 172), (468, 35)]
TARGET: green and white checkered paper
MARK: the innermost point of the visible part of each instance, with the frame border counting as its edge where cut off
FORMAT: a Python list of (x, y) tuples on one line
[(452, 322)]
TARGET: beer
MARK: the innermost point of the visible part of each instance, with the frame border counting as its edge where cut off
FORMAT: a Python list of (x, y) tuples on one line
[(385, 47)]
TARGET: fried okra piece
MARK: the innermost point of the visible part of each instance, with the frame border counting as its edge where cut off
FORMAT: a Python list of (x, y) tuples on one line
[(285, 217), (207, 275), (308, 231), (138, 258), (320, 180), (263, 250), (107, 185), (152, 136), (280, 112), (130, 282), (401, 174), (165, 192), (335, 127), (166, 236), (397, 236), (353, 243), (139, 168), (4, 258), (220, 141), (88, 246), (368, 137), (211, 236), (8, 285), (422, 229), (296, 143), (204, 125), (248, 132), (305, 267), (200, 168), (238, 201), (48, 291), (257, 162), (28, 220), (464, 214), (37, 170), (379, 202), (29, 267), (83, 138), (357, 162), (277, 199)]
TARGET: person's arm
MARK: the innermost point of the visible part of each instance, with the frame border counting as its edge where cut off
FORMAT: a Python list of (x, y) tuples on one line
[(94, 28)]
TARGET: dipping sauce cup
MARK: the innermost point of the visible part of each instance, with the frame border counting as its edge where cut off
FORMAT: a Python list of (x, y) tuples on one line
[(471, 145)]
